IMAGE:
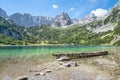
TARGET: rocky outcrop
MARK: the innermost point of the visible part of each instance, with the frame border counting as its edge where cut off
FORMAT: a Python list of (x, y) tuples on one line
[(27, 20), (3, 13), (62, 20), (12, 33)]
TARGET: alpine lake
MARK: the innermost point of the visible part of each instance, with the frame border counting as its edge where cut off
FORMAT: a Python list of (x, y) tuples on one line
[(44, 52)]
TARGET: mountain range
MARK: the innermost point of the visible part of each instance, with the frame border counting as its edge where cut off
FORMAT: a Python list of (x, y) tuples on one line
[(61, 20), (90, 30), (28, 20)]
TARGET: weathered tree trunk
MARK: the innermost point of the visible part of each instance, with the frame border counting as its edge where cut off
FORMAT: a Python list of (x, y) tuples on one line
[(81, 55)]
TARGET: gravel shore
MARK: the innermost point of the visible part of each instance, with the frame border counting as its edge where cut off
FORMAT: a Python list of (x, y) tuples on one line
[(99, 68)]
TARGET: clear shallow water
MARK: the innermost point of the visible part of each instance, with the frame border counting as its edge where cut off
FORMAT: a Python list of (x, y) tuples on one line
[(20, 51)]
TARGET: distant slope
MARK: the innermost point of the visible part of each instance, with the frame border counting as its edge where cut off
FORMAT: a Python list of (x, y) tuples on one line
[(9, 33)]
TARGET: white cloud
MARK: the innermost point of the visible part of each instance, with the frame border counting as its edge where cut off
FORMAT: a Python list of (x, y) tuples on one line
[(55, 6), (71, 9), (100, 12)]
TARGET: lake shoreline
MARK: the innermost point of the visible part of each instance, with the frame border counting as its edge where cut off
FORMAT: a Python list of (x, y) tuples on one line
[(35, 45), (57, 45)]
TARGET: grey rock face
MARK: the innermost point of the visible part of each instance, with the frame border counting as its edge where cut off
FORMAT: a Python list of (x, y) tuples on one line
[(11, 33), (22, 20), (62, 20), (27, 20), (74, 21), (89, 18), (3, 13), (40, 20)]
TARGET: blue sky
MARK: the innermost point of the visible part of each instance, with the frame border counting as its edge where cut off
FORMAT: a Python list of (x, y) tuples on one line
[(75, 8)]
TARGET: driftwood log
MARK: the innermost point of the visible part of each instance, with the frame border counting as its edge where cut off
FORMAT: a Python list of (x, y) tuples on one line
[(81, 55)]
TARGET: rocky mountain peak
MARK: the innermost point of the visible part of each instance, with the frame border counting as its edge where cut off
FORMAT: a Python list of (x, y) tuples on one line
[(89, 18), (3, 13), (62, 20)]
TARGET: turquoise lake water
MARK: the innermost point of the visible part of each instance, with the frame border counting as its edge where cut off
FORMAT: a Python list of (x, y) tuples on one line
[(15, 51)]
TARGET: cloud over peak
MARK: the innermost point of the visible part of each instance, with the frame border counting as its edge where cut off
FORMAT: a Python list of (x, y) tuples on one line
[(71, 9), (54, 6), (100, 12)]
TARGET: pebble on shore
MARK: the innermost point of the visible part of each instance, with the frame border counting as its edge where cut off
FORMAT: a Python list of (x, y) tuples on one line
[(22, 78)]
